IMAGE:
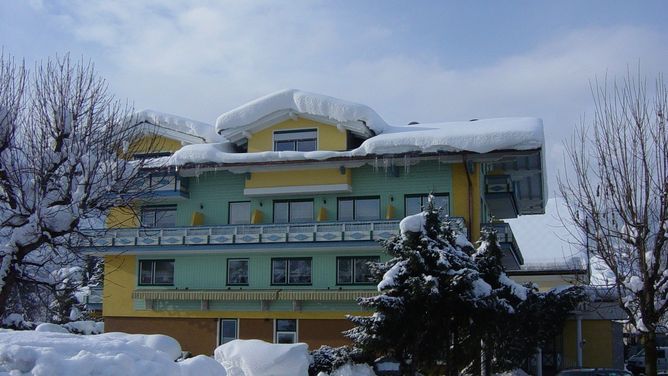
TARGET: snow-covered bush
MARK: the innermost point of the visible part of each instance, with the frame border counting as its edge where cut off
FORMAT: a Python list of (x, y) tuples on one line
[(327, 359)]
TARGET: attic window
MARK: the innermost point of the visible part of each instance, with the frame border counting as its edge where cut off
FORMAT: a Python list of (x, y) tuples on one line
[(297, 140)]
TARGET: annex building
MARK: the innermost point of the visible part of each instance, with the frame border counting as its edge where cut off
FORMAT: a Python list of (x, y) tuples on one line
[(262, 225)]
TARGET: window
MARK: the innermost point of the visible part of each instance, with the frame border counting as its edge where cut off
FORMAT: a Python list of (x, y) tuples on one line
[(239, 212), (297, 140), (359, 209), (291, 271), (156, 272), (293, 211), (229, 330), (354, 270), (158, 216), (237, 271), (414, 204), (286, 331)]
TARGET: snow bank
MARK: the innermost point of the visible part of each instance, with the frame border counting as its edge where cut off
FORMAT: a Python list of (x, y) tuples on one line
[(50, 328), (258, 358), (300, 102), (85, 327), (48, 353), (351, 370), (178, 124)]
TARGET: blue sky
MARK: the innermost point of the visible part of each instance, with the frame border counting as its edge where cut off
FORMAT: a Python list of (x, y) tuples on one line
[(419, 60)]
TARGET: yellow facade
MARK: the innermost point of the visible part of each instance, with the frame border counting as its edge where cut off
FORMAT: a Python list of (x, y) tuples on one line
[(292, 178), (461, 198), (597, 351), (329, 136), (122, 217), (154, 144)]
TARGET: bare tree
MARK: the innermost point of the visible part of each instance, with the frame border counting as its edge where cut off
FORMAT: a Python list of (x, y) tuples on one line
[(616, 191), (64, 161)]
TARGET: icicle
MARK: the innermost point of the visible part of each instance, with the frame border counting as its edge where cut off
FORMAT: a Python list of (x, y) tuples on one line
[(375, 164)]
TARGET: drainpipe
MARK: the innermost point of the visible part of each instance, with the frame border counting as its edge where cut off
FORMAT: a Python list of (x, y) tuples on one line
[(539, 362), (578, 335), (469, 225)]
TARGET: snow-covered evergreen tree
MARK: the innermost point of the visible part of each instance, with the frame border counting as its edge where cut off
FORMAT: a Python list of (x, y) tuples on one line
[(428, 292)]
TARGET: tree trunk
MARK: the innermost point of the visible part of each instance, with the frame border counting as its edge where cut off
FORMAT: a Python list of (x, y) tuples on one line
[(7, 287), (649, 344), (485, 359)]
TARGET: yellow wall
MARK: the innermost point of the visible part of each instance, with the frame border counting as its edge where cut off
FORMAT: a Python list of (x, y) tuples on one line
[(329, 137), (546, 282), (154, 144), (597, 351), (122, 217), (460, 196), (293, 178)]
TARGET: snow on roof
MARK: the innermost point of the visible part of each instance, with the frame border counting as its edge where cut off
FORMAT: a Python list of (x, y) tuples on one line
[(481, 136), (300, 102), (187, 127)]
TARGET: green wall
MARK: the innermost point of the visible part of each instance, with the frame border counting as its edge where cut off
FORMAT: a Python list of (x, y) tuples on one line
[(211, 192)]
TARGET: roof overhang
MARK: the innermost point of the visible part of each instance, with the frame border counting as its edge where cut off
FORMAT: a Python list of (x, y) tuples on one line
[(148, 127)]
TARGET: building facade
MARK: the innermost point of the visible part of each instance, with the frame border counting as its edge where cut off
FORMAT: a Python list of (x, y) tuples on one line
[(264, 227)]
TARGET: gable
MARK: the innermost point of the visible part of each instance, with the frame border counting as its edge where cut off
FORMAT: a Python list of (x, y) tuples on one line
[(329, 137)]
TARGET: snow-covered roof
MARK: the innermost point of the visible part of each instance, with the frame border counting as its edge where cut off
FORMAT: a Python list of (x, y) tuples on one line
[(176, 127), (291, 103), (481, 136)]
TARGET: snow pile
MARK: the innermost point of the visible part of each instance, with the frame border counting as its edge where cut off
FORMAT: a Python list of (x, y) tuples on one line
[(48, 353), (256, 358), (178, 124), (480, 136), (300, 102), (50, 328), (413, 223)]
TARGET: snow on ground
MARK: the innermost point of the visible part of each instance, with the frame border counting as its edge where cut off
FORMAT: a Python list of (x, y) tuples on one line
[(255, 358), (50, 353)]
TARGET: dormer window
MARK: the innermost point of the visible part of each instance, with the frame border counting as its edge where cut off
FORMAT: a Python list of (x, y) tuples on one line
[(296, 140)]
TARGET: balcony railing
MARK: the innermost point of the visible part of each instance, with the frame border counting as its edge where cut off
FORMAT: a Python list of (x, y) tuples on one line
[(507, 240), (250, 234)]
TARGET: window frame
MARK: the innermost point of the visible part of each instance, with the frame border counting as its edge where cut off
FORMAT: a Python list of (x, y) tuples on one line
[(153, 267), (289, 202), (423, 202), (295, 141), (155, 209), (353, 199), (227, 278), (229, 212), (287, 271), (295, 333), (221, 323), (352, 274)]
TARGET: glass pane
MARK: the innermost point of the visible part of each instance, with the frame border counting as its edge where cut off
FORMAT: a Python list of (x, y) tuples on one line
[(362, 270), (306, 145), (145, 272), (346, 210), (280, 212), (165, 218), (239, 212), (344, 273), (441, 202), (367, 209), (148, 218), (278, 271), (301, 211), (164, 272), (413, 205), (295, 135), (286, 325), (228, 331), (300, 271), (284, 145), (237, 272), (285, 337)]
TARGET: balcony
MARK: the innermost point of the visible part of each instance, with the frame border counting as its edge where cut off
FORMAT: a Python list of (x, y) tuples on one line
[(250, 234), (512, 256), (500, 196), (162, 186)]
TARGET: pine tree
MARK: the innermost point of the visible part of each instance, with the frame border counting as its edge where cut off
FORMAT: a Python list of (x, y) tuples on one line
[(428, 292)]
